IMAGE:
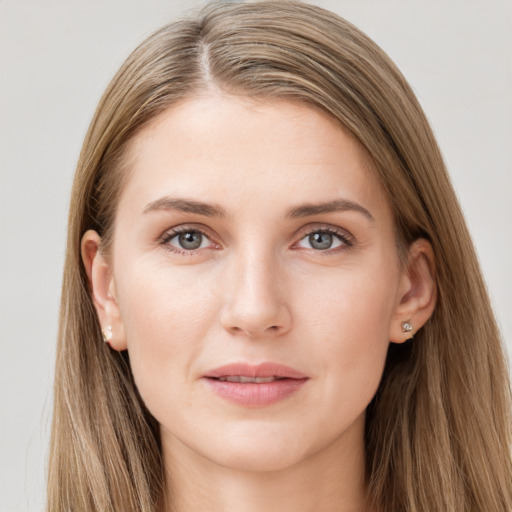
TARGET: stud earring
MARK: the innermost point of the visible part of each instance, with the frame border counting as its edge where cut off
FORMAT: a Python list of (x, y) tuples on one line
[(406, 327), (107, 334)]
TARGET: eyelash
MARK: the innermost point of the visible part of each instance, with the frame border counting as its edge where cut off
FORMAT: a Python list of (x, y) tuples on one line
[(347, 240), (169, 235)]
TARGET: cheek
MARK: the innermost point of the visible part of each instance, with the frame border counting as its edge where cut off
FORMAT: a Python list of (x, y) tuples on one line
[(346, 320), (167, 315), (349, 304)]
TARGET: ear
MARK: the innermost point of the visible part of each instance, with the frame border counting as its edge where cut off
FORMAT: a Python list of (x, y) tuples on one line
[(417, 292), (102, 288)]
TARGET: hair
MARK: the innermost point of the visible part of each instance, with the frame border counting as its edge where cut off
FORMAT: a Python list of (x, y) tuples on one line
[(438, 432)]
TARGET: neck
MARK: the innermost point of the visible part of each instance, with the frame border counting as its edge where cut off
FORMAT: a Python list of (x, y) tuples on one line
[(329, 480)]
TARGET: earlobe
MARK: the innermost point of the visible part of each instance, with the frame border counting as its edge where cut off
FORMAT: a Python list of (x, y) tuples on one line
[(417, 293), (102, 290)]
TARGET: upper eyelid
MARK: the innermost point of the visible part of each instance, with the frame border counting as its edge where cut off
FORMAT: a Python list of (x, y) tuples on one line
[(326, 228), (183, 228)]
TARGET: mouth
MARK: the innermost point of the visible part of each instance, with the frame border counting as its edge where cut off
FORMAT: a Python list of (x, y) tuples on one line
[(255, 385)]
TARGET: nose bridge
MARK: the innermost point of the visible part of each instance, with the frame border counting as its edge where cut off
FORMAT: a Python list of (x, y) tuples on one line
[(254, 302)]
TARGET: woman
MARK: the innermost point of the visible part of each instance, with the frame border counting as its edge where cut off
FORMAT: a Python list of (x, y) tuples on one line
[(263, 232)]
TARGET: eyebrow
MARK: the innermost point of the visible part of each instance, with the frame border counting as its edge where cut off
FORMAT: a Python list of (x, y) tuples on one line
[(213, 210), (337, 205), (186, 206)]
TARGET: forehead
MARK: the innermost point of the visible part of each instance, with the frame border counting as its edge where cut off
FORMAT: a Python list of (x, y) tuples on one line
[(235, 151)]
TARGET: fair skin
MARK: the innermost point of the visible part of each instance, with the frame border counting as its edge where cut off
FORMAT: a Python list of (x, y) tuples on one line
[(320, 290)]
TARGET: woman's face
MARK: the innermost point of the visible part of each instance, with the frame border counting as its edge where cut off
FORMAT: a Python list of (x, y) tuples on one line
[(253, 232)]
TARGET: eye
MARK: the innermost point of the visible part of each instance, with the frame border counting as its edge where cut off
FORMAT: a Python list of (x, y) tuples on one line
[(185, 240), (323, 240)]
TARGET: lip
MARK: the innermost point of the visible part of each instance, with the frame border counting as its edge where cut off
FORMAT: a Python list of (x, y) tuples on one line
[(260, 370), (253, 394)]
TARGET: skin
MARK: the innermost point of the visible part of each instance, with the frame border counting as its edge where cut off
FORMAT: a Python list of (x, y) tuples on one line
[(257, 290)]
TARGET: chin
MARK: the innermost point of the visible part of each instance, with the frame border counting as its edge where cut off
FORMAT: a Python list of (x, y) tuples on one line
[(258, 453)]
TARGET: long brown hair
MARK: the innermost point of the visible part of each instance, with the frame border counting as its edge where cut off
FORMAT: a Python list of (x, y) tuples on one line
[(438, 432)]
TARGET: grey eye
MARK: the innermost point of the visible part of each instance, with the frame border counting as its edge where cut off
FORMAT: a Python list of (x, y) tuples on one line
[(320, 241), (190, 240), (184, 240)]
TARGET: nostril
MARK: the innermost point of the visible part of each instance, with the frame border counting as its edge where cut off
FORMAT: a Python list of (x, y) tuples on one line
[(260, 319)]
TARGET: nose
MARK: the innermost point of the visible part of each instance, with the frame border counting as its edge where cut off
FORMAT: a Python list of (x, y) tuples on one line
[(255, 303)]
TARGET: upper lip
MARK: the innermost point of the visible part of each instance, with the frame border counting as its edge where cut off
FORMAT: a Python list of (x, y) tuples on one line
[(260, 370)]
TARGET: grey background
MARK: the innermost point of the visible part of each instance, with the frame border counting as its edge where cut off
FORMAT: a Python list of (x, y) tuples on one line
[(56, 57)]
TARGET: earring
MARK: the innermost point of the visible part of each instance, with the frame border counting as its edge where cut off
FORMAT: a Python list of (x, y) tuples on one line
[(107, 334), (406, 327)]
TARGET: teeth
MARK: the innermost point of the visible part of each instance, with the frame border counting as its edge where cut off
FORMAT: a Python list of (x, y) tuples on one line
[(241, 378)]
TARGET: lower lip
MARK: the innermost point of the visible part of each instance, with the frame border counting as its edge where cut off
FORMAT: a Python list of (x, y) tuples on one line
[(251, 394)]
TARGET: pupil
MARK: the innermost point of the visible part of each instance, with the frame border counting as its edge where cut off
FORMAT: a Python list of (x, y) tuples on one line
[(190, 240), (320, 240)]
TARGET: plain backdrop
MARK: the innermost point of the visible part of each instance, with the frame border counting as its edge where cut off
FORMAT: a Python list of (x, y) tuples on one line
[(56, 58)]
